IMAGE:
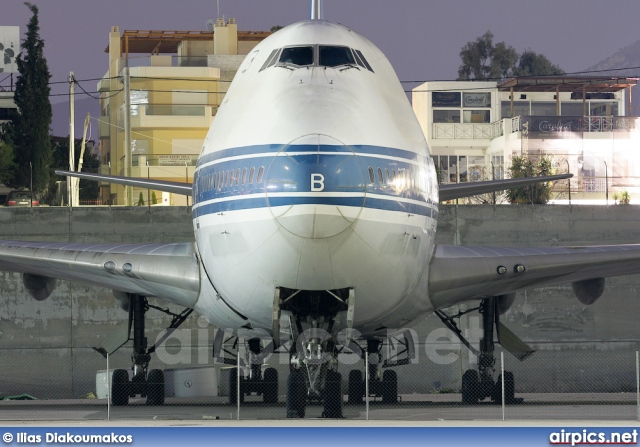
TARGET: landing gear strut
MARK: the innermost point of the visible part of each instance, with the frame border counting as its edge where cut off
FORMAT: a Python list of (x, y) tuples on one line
[(385, 386), (479, 384), (145, 383)]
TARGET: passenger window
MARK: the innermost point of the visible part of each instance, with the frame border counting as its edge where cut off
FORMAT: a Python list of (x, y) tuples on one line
[(393, 174), (260, 172), (297, 56), (244, 176), (215, 180), (226, 178), (364, 61), (238, 177), (335, 56), (251, 172), (388, 178), (270, 60), (372, 177), (380, 177)]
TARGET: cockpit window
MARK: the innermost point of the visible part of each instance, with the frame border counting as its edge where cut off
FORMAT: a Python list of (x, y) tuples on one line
[(335, 56), (360, 57), (297, 56), (270, 60)]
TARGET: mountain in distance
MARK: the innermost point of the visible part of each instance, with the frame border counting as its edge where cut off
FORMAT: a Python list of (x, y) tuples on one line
[(624, 62)]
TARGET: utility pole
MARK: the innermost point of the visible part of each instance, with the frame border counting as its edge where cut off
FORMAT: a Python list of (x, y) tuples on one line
[(128, 193), (72, 155), (76, 189)]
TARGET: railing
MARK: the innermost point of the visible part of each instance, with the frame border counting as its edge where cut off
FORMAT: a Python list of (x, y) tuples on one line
[(459, 131), (164, 159)]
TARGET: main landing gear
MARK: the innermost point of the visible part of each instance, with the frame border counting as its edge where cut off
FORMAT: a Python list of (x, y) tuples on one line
[(143, 383), (479, 384), (254, 378), (384, 386)]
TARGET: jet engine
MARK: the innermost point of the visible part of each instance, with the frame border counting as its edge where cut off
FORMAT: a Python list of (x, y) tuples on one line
[(589, 290), (39, 287)]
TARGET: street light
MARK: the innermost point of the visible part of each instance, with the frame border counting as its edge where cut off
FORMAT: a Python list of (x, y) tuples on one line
[(31, 183)]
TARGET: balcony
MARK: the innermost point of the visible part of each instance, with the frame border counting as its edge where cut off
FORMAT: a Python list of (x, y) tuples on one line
[(171, 116), (471, 131)]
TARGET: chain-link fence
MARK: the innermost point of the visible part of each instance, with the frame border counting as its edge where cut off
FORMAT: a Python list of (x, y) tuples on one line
[(440, 382)]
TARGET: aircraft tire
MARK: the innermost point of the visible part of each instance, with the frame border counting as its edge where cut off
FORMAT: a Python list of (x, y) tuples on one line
[(233, 387), (509, 389), (470, 387), (296, 395), (155, 387), (120, 388), (332, 396), (389, 387), (270, 386), (356, 387)]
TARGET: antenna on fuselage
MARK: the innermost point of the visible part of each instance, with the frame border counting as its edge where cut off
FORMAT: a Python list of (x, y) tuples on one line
[(316, 10)]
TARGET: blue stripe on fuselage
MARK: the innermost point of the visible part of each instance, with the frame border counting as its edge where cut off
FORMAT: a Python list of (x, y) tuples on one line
[(405, 180)]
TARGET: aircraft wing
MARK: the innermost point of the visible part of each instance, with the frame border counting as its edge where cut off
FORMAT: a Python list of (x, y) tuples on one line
[(159, 185), (166, 271), (460, 273), (459, 190)]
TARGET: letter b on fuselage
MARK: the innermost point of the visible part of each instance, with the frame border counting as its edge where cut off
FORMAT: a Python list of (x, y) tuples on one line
[(317, 182)]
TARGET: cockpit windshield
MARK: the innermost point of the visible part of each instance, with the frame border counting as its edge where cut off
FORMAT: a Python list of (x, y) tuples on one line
[(335, 56), (299, 56)]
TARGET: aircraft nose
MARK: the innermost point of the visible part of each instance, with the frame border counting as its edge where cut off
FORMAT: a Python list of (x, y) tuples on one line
[(316, 186)]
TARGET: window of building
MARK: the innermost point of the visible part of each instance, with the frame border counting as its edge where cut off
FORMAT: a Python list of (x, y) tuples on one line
[(520, 108), (335, 56), (476, 99), (299, 56), (571, 108), (446, 116), (445, 99), (599, 108), (543, 108), (476, 116)]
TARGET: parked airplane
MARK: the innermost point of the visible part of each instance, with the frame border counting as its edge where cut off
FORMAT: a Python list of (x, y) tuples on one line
[(315, 204)]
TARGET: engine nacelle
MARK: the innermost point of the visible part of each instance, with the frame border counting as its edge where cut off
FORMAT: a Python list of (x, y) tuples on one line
[(505, 302), (123, 300), (39, 287), (589, 290)]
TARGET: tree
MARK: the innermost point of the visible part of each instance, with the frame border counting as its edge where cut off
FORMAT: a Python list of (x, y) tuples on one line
[(7, 165), (154, 200), (534, 64), (89, 189), (484, 60), (538, 193), (140, 199), (30, 127)]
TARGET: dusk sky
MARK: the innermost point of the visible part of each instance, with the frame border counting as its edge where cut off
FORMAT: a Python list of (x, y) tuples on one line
[(421, 38)]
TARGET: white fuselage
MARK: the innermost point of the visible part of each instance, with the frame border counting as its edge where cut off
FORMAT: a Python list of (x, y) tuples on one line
[(315, 177)]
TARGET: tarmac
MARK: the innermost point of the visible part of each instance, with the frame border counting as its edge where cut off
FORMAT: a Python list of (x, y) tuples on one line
[(562, 410)]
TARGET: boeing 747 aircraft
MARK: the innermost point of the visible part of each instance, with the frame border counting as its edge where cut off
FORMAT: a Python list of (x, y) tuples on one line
[(315, 204)]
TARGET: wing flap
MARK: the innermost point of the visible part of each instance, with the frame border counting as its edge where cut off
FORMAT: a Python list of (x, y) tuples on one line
[(167, 271), (458, 274)]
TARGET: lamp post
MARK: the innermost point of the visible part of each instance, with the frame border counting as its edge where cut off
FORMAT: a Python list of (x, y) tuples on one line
[(31, 183)]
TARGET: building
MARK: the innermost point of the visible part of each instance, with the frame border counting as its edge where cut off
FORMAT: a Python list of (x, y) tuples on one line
[(176, 80), (9, 50), (475, 128)]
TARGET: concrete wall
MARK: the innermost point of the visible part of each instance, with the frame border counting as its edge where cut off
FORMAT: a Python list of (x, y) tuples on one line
[(46, 347)]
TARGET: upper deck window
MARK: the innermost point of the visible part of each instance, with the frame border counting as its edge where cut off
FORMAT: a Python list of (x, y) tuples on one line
[(335, 56), (299, 56)]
